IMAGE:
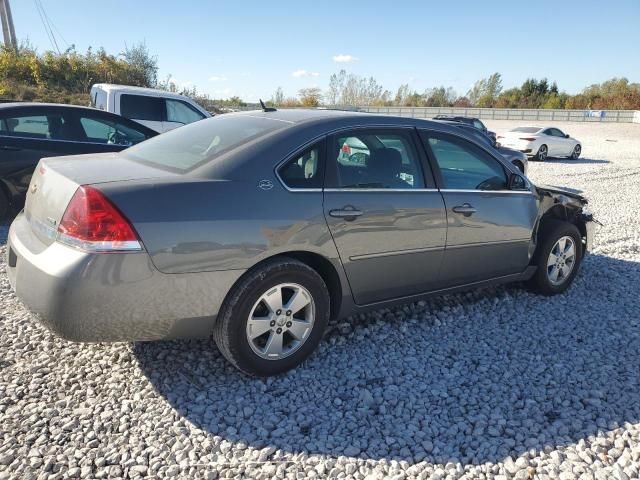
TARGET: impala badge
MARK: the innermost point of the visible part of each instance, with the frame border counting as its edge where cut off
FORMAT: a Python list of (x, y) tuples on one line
[(265, 184)]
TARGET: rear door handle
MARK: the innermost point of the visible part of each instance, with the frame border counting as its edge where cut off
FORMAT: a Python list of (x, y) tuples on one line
[(10, 148), (346, 213), (466, 209)]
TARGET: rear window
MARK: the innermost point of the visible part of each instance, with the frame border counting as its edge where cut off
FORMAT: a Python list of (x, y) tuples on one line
[(526, 129), (202, 142)]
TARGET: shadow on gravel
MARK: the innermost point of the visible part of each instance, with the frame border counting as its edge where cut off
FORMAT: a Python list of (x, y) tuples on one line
[(473, 377), (577, 161)]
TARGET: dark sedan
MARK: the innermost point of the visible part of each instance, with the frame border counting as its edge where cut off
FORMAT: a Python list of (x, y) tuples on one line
[(258, 227), (31, 131)]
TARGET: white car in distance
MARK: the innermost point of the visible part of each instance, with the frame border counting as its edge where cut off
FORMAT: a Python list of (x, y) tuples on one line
[(156, 109), (541, 142)]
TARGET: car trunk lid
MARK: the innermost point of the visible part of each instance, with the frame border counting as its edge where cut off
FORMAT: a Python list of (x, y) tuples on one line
[(55, 180)]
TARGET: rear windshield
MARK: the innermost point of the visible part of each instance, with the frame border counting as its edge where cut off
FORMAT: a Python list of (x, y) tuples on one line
[(526, 129), (193, 145)]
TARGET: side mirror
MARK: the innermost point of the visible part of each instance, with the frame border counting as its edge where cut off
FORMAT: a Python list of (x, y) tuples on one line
[(566, 135), (517, 182)]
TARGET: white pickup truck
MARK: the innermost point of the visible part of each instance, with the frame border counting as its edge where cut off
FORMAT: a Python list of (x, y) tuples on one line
[(157, 109)]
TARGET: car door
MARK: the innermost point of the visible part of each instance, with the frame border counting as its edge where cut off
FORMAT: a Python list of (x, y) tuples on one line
[(386, 217), (489, 226), (552, 141), (179, 113), (145, 109), (565, 146), (28, 134)]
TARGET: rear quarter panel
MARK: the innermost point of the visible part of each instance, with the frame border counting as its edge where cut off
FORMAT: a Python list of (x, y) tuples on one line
[(196, 225)]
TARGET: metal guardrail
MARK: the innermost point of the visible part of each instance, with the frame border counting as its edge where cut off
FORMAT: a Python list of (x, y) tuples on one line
[(619, 116)]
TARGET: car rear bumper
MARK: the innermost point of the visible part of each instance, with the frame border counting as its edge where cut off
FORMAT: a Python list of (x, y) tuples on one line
[(102, 297)]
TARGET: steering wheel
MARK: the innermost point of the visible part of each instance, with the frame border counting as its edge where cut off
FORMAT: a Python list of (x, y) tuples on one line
[(118, 138), (359, 158)]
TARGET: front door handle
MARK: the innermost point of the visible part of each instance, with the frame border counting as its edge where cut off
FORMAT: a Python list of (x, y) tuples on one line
[(348, 213), (466, 209)]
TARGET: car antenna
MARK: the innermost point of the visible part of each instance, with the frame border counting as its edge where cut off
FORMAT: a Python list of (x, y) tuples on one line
[(265, 108)]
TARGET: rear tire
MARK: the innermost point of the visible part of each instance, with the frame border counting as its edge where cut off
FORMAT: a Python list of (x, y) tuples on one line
[(253, 306), (543, 153), (557, 257)]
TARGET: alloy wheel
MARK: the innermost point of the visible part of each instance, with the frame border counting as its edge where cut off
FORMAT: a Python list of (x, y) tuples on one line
[(561, 261), (576, 152), (542, 153), (280, 321)]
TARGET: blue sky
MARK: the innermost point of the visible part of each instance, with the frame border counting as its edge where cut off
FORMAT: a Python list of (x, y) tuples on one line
[(250, 48)]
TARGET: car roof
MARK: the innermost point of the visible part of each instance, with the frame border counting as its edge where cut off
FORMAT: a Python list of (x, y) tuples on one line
[(107, 87), (41, 104), (342, 118)]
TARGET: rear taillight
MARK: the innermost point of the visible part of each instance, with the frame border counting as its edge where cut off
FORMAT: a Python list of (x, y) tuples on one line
[(92, 223), (528, 139)]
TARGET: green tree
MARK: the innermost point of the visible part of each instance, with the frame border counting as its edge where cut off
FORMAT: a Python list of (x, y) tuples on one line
[(310, 97)]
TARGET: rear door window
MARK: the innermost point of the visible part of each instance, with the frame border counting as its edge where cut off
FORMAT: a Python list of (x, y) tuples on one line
[(181, 112), (376, 159), (32, 126), (142, 107), (51, 126), (304, 170)]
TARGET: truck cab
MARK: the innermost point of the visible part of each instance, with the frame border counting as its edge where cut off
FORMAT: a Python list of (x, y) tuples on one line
[(158, 110)]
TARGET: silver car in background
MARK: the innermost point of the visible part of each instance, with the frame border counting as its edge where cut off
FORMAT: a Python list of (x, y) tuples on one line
[(254, 228)]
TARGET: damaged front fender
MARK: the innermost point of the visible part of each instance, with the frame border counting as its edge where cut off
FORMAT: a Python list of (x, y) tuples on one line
[(568, 205)]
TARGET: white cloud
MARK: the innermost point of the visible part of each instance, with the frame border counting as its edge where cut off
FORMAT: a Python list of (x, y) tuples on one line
[(342, 58), (304, 73), (217, 78)]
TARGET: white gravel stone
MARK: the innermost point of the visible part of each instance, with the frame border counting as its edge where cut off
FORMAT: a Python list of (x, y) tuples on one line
[(492, 383)]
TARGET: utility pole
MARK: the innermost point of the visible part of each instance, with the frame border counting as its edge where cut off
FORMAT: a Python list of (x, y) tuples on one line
[(8, 31)]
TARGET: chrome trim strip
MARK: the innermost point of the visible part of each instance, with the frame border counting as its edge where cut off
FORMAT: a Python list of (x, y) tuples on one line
[(380, 190), (394, 253), (462, 190), (482, 244), (303, 190)]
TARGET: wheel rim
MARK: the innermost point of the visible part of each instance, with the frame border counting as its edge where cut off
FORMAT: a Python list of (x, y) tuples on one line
[(576, 151), (561, 261), (542, 153), (280, 321)]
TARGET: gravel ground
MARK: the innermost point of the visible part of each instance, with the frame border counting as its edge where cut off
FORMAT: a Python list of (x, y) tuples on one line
[(495, 383)]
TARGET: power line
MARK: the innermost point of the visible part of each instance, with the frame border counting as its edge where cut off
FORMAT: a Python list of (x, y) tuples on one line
[(47, 28), (51, 24)]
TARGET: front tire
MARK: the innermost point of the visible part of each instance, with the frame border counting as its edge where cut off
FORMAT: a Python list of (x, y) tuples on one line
[(543, 153), (557, 257), (577, 150), (274, 318)]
